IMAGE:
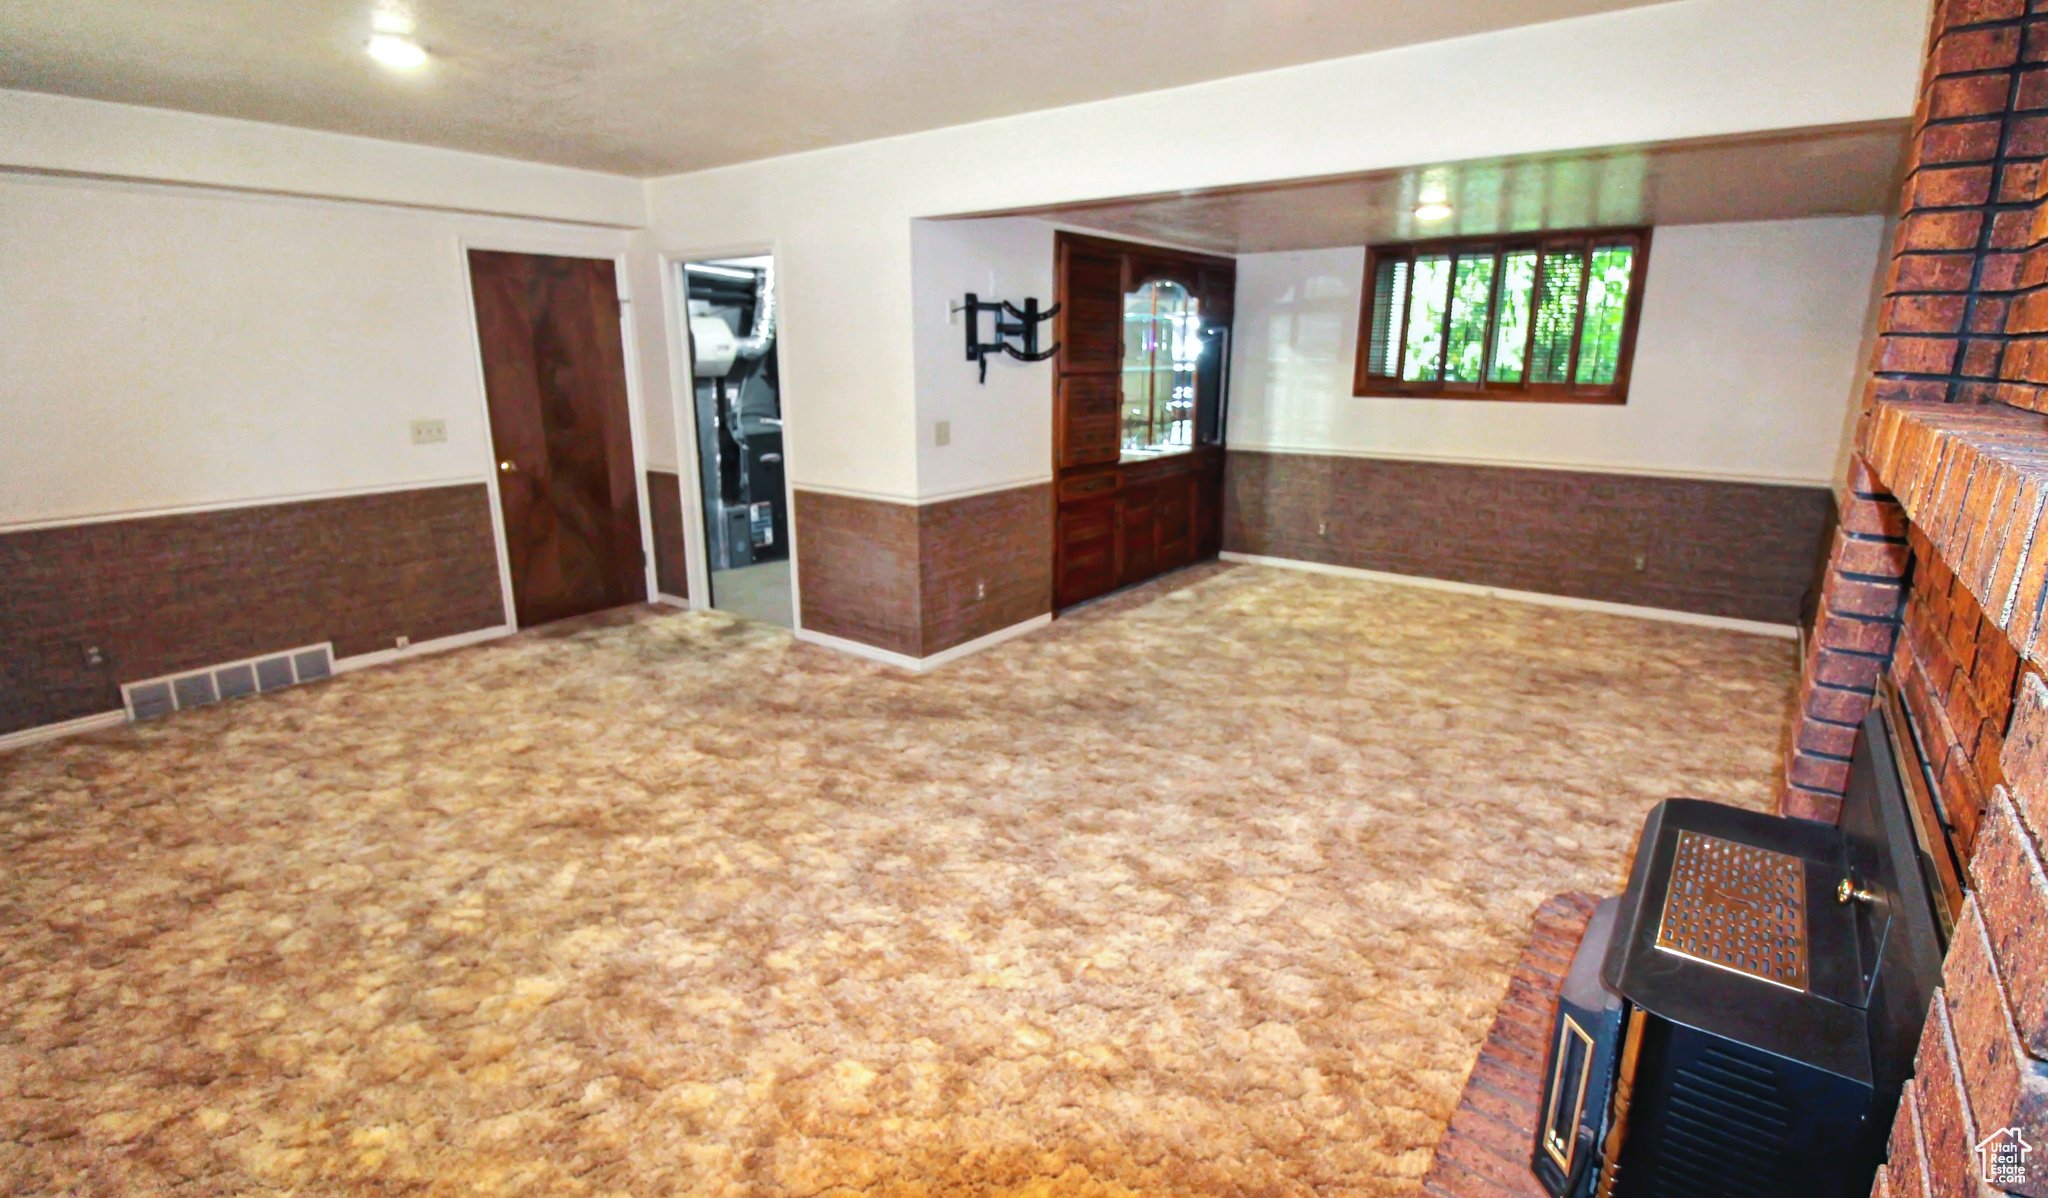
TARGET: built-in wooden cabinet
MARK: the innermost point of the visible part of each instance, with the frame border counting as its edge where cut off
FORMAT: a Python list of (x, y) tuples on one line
[(1120, 524), (1139, 489)]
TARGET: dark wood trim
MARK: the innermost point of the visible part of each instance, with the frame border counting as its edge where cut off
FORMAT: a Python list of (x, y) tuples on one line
[(665, 519), (1366, 385)]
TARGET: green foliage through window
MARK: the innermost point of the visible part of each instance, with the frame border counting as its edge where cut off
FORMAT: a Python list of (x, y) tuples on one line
[(1511, 315), (1527, 315), (1606, 309), (1424, 355)]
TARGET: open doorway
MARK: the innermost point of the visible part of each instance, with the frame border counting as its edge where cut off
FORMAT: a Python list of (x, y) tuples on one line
[(738, 408)]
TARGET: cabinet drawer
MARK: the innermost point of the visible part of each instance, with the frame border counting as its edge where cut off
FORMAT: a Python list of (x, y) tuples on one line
[(1083, 486)]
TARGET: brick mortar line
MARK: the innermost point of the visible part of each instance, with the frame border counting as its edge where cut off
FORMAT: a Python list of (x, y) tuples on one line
[(1857, 653), (1814, 719), (1850, 615), (1984, 233), (1803, 787), (1817, 755), (2002, 206), (2019, 22)]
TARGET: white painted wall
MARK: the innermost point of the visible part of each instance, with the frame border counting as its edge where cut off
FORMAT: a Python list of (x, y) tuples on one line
[(165, 347), (1001, 430), (840, 219), (1748, 356), (123, 141)]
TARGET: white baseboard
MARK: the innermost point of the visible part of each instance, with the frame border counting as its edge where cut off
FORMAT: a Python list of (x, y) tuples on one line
[(85, 723), (904, 661), (363, 661), (1788, 632), (983, 642), (671, 600), (888, 657)]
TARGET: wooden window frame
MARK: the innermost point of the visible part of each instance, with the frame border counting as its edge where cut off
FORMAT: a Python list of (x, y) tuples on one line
[(1368, 385)]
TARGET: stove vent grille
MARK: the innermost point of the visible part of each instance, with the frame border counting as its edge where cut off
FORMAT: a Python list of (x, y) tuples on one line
[(1726, 1128)]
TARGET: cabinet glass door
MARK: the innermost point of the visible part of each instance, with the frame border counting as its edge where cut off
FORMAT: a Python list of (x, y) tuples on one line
[(1162, 347)]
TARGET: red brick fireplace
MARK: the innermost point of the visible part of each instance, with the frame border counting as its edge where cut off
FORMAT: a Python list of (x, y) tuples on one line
[(1938, 578)]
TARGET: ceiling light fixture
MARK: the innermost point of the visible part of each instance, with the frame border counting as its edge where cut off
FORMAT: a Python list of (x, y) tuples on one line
[(396, 52), (1434, 210)]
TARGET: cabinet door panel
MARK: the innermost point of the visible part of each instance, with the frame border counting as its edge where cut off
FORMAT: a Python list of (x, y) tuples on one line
[(1088, 419), (1091, 320), (1139, 530), (1087, 550), (1174, 521)]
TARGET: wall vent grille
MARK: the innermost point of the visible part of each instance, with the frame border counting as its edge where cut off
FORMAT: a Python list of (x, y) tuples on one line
[(154, 697)]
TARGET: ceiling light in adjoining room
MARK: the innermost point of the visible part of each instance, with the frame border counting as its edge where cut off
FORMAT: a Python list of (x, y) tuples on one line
[(397, 52), (1433, 210)]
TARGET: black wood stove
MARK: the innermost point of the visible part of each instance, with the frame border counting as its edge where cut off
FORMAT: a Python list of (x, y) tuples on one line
[(1741, 1019)]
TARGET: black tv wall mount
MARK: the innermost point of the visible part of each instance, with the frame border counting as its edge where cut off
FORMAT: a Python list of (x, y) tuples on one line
[(1022, 324)]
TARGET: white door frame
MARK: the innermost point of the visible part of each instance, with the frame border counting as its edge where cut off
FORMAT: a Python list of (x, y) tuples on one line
[(683, 384)]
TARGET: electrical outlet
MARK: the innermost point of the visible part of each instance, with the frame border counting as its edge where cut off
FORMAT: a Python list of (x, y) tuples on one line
[(981, 588), (1641, 561), (1322, 528), (427, 432), (95, 657), (404, 641), (942, 434)]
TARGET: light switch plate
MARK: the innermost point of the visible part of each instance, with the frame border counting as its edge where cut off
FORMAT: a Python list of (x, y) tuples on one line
[(943, 434), (427, 432)]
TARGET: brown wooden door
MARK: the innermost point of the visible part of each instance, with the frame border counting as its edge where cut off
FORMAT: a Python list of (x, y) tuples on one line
[(555, 379)]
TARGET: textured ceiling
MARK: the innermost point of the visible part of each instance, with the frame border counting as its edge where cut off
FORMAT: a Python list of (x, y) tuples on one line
[(648, 87), (1839, 171)]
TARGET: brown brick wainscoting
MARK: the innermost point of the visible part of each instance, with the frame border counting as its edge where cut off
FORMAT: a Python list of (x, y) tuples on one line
[(1743, 550), (1000, 542), (920, 579), (665, 517), (167, 593), (856, 562)]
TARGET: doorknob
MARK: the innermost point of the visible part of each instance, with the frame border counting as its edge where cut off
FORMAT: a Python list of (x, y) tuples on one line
[(507, 467)]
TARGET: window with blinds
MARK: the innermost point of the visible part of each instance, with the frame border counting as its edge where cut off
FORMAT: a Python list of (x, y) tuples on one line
[(1546, 316)]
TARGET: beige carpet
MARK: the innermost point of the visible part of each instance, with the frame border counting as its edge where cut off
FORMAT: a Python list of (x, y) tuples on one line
[(1207, 890)]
